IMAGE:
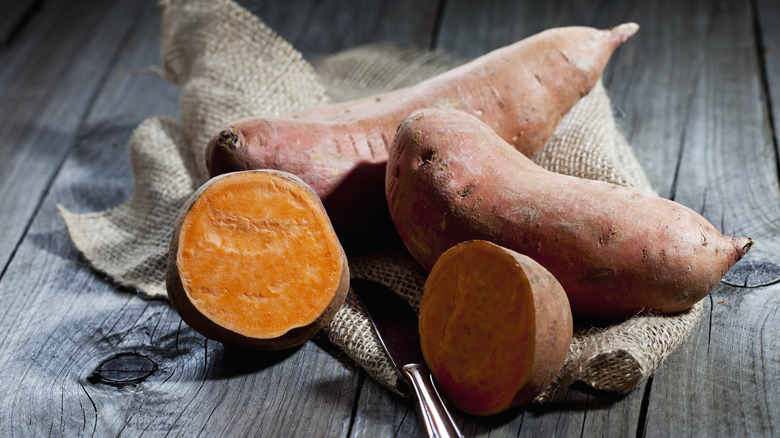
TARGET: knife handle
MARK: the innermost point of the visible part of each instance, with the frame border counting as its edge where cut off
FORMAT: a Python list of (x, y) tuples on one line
[(435, 417)]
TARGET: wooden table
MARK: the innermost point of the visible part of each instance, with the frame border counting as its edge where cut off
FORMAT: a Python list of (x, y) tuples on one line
[(697, 93)]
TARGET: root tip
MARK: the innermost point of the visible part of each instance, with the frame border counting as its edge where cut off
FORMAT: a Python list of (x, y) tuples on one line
[(746, 247), (625, 31)]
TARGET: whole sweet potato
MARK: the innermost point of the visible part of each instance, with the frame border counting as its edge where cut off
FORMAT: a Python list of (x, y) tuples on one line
[(484, 304), (521, 91), (616, 251)]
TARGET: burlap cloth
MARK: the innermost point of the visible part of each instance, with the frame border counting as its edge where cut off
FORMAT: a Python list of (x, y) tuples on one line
[(231, 65)]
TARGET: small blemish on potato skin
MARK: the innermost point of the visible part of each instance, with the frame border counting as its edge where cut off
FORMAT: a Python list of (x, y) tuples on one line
[(427, 157), (600, 273), (465, 192)]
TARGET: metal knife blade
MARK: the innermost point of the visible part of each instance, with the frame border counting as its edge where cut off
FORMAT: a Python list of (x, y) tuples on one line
[(395, 323), (394, 320)]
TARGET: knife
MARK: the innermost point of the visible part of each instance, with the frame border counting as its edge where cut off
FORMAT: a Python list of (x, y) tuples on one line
[(396, 325)]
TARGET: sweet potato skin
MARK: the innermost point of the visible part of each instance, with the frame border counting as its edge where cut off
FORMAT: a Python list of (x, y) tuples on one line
[(522, 91), (196, 319), (483, 301), (615, 251)]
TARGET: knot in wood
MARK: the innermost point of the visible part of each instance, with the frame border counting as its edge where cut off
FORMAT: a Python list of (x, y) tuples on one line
[(123, 369)]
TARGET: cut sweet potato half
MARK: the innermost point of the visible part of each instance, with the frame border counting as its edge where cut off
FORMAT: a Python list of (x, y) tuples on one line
[(495, 327), (254, 261)]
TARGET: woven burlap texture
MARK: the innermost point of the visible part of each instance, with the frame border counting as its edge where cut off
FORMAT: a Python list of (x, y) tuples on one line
[(231, 65)]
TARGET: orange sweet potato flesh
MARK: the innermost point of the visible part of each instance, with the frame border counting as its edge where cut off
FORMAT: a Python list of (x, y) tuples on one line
[(254, 261), (616, 251), (495, 327), (522, 91)]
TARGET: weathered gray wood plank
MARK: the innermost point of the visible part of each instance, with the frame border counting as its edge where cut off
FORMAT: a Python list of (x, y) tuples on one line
[(13, 15), (725, 381), (50, 76), (654, 94), (380, 413), (767, 14), (323, 27), (471, 29)]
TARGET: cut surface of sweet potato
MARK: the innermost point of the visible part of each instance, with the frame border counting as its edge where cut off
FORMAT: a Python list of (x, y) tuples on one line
[(495, 327), (255, 255)]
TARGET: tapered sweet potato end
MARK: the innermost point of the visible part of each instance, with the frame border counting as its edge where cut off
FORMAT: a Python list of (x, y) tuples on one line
[(495, 327), (219, 150), (254, 261), (245, 144), (623, 32), (742, 245)]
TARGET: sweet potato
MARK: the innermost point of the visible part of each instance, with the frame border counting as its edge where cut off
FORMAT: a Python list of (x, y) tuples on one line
[(616, 251), (254, 261), (495, 327), (522, 91)]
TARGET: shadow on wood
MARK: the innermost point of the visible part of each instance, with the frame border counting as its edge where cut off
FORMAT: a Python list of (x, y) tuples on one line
[(239, 361)]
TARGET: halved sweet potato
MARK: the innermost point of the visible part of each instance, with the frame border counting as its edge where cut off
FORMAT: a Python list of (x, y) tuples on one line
[(254, 261), (495, 327)]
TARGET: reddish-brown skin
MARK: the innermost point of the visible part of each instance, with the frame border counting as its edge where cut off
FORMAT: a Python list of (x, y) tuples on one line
[(522, 91), (616, 251)]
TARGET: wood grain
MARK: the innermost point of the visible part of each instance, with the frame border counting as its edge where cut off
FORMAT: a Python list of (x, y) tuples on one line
[(50, 77), (767, 30), (724, 381), (15, 16), (329, 26)]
